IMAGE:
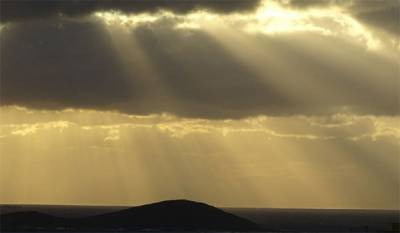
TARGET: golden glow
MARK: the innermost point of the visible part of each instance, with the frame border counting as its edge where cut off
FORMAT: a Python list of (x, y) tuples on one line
[(121, 158), (135, 62), (270, 18), (134, 159), (111, 18)]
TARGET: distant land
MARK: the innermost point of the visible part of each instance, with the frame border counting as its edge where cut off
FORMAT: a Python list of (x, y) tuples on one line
[(174, 215), (322, 220), (183, 215)]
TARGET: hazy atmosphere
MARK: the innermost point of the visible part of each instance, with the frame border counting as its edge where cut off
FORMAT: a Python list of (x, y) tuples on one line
[(237, 103)]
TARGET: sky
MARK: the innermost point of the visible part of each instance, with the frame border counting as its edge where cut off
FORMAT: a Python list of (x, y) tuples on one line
[(236, 103)]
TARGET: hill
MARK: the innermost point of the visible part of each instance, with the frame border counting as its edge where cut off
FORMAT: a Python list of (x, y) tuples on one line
[(166, 215)]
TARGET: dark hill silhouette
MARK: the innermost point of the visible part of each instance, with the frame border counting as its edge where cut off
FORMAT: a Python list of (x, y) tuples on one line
[(27, 220), (166, 215)]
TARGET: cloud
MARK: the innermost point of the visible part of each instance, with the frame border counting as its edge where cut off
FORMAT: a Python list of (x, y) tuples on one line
[(63, 66), (359, 5), (113, 126), (26, 10), (313, 3), (285, 152), (25, 130), (113, 135), (382, 14), (230, 72), (29, 129)]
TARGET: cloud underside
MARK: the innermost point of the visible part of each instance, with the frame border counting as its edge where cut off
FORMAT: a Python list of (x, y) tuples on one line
[(383, 14), (350, 160), (12, 11), (269, 61), (221, 73)]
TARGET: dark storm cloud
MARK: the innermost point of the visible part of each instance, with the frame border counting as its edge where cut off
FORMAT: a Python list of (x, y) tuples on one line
[(382, 14), (76, 65), (60, 64), (17, 10), (44, 65)]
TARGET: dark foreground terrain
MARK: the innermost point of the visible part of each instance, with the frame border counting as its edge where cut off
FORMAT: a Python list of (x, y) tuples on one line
[(176, 215), (323, 220), (184, 215)]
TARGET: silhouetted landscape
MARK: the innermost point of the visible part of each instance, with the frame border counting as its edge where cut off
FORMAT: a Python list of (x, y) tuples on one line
[(322, 220), (177, 215), (184, 215), (199, 116)]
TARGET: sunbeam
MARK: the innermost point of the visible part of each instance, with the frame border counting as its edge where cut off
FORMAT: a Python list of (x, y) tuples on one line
[(273, 104)]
